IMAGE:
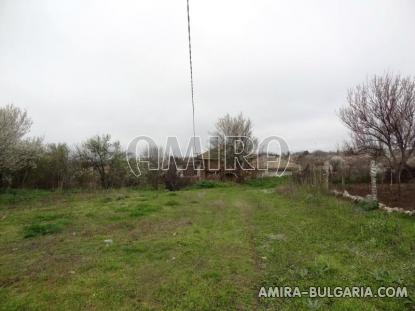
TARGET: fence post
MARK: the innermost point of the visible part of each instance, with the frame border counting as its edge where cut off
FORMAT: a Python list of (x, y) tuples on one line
[(373, 173), (326, 174)]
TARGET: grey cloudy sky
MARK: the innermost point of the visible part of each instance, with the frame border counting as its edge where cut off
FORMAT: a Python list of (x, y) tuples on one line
[(84, 67)]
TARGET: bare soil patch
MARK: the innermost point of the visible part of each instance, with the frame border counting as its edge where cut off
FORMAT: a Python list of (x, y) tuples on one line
[(387, 194)]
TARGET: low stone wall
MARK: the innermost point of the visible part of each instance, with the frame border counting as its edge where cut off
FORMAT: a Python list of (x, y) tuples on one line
[(357, 198)]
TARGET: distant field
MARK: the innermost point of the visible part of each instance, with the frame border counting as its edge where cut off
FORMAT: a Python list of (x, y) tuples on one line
[(210, 248)]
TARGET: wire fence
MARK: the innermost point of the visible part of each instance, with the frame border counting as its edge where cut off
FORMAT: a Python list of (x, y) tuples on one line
[(366, 178)]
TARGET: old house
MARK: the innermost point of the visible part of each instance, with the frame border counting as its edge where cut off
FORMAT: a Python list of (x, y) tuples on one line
[(211, 166)]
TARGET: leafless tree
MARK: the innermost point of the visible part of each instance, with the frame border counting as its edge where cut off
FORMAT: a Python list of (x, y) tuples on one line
[(381, 117), (153, 172), (233, 138), (102, 155)]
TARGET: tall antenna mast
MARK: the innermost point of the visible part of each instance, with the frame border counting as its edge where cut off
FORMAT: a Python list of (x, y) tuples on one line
[(191, 75)]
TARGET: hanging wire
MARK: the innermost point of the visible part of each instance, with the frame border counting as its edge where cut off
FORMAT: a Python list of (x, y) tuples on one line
[(191, 75)]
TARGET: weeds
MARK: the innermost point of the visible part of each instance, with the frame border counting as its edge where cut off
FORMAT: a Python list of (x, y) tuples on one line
[(207, 184), (42, 229), (143, 210), (172, 203), (298, 237), (22, 195), (47, 223), (368, 205), (266, 182)]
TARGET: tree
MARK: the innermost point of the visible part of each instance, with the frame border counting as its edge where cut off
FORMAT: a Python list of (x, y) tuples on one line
[(381, 117), (16, 153), (171, 180), (234, 141), (58, 157), (53, 167), (103, 156), (119, 174), (152, 169)]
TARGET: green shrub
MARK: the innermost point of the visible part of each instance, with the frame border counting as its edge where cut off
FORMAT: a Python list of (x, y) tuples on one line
[(42, 229), (368, 205)]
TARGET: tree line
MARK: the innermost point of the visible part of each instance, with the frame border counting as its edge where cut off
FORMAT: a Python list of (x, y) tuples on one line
[(379, 113), (28, 162), (97, 162)]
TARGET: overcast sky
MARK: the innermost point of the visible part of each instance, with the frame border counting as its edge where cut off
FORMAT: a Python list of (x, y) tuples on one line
[(85, 67)]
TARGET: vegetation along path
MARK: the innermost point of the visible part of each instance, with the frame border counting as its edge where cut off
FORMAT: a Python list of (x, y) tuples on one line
[(197, 249)]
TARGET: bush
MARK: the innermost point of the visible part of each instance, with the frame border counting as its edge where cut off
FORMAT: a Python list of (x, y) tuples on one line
[(206, 184), (368, 205), (175, 182), (41, 229)]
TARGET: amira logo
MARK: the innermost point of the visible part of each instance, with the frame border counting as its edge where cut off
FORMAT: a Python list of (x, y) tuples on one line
[(279, 292), (333, 292), (231, 154)]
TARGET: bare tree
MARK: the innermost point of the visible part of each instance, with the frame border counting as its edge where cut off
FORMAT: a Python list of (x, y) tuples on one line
[(233, 138), (153, 172), (381, 117), (171, 179), (102, 155)]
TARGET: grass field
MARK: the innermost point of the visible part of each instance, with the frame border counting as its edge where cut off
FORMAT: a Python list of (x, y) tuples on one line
[(210, 248)]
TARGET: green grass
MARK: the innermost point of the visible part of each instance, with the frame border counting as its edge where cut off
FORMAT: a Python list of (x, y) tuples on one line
[(208, 184), (266, 182), (199, 249), (19, 195), (41, 229)]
